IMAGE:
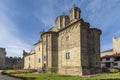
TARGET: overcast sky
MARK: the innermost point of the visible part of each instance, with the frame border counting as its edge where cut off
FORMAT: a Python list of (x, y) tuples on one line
[(21, 21)]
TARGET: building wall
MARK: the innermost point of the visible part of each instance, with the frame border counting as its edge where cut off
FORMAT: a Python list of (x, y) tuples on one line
[(84, 49), (29, 62), (44, 50), (94, 51), (69, 41), (2, 58), (50, 50), (38, 55), (55, 50), (26, 62), (112, 62)]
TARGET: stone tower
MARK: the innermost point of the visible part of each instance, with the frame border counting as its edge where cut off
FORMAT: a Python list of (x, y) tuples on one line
[(75, 13), (62, 21), (49, 50), (2, 58), (116, 45)]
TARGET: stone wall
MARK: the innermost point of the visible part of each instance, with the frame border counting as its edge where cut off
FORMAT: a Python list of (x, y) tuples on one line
[(44, 50), (69, 42), (2, 58), (38, 55), (84, 48), (14, 63), (55, 50), (50, 50), (94, 50), (29, 60)]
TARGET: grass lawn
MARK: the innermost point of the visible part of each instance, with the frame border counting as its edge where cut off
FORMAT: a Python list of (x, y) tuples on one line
[(22, 73), (9, 71), (109, 76), (16, 71)]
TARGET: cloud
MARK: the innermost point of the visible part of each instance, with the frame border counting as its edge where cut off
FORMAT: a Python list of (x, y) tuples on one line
[(116, 33), (46, 21), (49, 10), (9, 31), (103, 13), (105, 16), (45, 17)]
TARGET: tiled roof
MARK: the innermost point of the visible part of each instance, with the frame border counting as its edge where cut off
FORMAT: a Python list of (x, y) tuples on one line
[(113, 55), (108, 50)]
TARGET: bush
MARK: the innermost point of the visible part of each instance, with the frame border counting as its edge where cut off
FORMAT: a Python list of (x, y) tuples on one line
[(114, 70), (39, 70), (52, 70)]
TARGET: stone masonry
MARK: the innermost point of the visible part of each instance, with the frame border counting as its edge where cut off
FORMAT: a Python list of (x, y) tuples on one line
[(71, 46), (10, 62), (2, 58)]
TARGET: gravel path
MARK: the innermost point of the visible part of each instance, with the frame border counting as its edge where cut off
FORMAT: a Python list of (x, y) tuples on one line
[(5, 77)]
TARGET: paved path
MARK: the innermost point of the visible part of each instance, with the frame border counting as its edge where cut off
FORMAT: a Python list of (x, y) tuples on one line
[(5, 77)]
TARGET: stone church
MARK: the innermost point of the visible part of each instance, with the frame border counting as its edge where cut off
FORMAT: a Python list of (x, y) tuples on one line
[(71, 46)]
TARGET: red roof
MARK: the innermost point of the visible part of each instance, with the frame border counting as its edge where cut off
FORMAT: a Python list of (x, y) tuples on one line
[(109, 56)]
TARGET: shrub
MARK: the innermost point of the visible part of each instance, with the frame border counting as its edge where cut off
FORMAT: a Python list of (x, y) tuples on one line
[(114, 70), (52, 70), (39, 70)]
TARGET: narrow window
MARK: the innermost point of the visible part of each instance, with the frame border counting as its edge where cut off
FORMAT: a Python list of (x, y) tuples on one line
[(68, 55), (39, 48), (29, 65), (39, 60)]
